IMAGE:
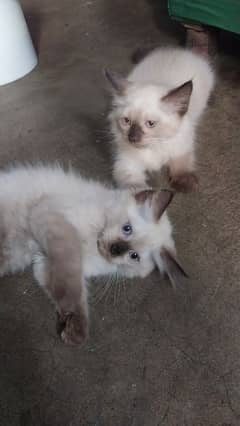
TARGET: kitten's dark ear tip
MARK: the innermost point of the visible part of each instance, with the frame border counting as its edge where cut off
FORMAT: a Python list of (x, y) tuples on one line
[(143, 195), (189, 83), (175, 272), (110, 76), (106, 73), (161, 201), (169, 192), (116, 81)]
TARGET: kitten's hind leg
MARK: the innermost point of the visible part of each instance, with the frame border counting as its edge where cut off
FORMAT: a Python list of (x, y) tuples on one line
[(59, 272)]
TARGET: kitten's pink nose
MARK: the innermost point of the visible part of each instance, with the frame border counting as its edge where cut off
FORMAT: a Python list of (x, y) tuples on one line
[(133, 138)]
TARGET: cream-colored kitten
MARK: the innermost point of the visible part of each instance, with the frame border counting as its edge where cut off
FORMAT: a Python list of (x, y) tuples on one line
[(72, 229), (154, 116)]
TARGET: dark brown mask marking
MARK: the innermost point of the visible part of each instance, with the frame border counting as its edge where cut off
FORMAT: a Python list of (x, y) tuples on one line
[(135, 133), (119, 248)]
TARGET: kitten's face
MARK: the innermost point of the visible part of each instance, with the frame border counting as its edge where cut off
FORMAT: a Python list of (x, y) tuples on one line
[(146, 114), (133, 230)]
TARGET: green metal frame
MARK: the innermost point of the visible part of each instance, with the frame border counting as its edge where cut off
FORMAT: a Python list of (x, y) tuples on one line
[(223, 14)]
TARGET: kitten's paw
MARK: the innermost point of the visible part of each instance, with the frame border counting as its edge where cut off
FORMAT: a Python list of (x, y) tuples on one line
[(74, 328), (185, 182)]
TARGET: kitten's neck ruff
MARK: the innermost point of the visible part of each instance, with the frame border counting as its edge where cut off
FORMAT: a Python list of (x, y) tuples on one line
[(155, 155), (95, 265)]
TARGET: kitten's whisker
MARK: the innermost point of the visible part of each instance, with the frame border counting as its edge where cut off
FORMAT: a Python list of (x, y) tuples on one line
[(107, 287), (108, 293), (110, 288), (125, 290), (113, 285), (119, 288), (101, 291), (104, 131), (96, 295), (115, 290), (100, 298), (119, 278)]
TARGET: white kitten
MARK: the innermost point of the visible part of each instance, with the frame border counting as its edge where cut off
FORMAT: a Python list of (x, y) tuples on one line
[(155, 112), (72, 229)]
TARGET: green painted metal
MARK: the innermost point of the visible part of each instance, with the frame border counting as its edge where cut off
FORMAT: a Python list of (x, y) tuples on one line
[(223, 14)]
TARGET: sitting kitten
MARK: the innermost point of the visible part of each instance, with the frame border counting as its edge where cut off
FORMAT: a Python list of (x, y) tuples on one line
[(155, 112), (72, 229)]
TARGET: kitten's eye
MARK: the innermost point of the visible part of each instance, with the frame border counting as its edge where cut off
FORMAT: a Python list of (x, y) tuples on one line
[(127, 229), (134, 255), (150, 123), (125, 121)]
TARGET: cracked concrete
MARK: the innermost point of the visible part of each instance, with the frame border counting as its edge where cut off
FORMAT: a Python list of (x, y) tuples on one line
[(154, 357)]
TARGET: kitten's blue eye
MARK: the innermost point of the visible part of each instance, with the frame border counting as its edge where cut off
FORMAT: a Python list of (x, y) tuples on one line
[(134, 255), (127, 229)]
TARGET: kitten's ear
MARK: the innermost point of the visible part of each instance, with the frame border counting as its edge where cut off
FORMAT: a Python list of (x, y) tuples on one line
[(178, 98), (142, 196), (118, 83), (167, 263), (159, 200)]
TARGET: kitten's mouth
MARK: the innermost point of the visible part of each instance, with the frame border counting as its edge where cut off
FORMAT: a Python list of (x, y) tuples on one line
[(137, 145)]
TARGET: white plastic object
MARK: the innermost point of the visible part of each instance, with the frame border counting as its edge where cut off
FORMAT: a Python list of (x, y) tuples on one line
[(17, 54)]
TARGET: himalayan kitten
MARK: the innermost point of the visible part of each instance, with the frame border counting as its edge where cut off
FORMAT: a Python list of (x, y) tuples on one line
[(71, 229), (154, 116)]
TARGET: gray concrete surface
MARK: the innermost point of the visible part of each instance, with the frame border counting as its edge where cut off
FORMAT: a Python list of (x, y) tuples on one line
[(154, 357)]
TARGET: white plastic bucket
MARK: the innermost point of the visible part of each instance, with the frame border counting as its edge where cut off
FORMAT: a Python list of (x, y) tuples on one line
[(17, 54)]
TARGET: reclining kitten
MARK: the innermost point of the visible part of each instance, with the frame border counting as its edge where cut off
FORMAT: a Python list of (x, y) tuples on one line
[(154, 116), (72, 229)]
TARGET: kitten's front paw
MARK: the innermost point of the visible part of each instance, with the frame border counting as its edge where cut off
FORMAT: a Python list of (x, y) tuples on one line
[(74, 328), (185, 182)]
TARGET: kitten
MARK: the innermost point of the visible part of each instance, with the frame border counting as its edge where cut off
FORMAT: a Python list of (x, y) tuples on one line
[(154, 116), (71, 229)]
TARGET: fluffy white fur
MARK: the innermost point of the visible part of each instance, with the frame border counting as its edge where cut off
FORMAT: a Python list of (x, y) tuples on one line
[(89, 206), (37, 204), (140, 99)]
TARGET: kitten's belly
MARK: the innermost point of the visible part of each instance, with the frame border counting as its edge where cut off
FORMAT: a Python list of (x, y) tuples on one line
[(154, 158), (16, 255)]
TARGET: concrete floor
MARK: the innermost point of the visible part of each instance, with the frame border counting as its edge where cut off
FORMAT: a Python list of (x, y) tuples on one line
[(154, 357)]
